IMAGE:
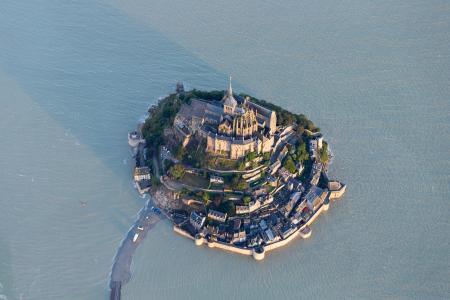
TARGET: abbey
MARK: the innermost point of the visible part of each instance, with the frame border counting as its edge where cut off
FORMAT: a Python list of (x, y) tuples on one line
[(231, 127)]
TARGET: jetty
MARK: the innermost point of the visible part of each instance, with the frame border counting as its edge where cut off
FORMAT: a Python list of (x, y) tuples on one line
[(148, 217)]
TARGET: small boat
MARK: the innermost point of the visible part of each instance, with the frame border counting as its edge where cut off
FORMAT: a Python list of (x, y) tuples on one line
[(135, 237)]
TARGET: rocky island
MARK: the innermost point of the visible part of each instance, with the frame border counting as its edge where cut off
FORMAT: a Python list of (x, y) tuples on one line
[(231, 171)]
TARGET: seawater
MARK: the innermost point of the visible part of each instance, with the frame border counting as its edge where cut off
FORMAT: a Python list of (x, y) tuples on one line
[(75, 77)]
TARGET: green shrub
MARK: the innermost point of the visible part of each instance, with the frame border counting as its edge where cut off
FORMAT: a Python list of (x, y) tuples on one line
[(177, 171), (289, 165)]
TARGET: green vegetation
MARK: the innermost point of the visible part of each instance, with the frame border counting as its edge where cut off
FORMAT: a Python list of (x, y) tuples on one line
[(252, 160), (205, 197), (161, 117), (304, 176), (242, 185), (193, 154), (179, 152), (246, 200), (227, 207), (238, 183), (297, 154), (301, 152), (155, 181), (177, 171), (163, 114), (289, 164), (205, 95), (221, 163), (324, 153), (195, 180), (250, 156)]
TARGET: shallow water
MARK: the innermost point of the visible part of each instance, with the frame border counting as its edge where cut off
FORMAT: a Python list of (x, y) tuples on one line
[(75, 77)]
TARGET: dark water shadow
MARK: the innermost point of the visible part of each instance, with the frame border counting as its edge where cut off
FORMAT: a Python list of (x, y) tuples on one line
[(93, 69)]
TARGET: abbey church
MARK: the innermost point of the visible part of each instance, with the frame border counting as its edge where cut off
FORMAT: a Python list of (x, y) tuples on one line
[(232, 127)]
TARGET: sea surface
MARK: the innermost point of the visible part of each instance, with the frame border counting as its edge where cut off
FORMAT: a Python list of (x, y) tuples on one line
[(76, 76)]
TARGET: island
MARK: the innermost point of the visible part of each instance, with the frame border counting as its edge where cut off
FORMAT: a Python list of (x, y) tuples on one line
[(231, 171)]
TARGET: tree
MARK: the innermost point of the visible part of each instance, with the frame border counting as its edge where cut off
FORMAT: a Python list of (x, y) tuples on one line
[(238, 183), (302, 153), (246, 200), (161, 117), (250, 156), (228, 207), (177, 171), (205, 197), (289, 165), (180, 152), (324, 153), (242, 184)]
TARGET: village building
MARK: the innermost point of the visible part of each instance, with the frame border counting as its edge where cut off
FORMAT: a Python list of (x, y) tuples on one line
[(142, 173), (273, 168), (286, 230), (319, 139), (245, 209), (217, 216), (315, 197), (216, 179), (316, 170), (285, 174), (313, 148), (197, 220), (239, 237)]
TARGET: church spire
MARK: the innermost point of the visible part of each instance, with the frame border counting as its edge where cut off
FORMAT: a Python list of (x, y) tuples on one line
[(230, 89), (229, 103)]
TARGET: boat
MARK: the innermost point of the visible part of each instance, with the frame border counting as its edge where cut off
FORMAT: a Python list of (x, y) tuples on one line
[(135, 237)]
